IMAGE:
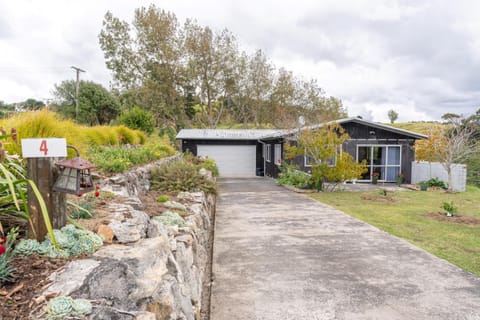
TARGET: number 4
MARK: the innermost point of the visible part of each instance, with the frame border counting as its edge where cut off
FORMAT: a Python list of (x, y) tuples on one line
[(43, 147)]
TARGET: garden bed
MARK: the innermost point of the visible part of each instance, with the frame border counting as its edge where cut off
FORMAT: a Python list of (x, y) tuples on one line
[(440, 216), (18, 298), (26, 294)]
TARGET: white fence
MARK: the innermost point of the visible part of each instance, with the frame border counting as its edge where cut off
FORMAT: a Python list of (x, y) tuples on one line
[(422, 171)]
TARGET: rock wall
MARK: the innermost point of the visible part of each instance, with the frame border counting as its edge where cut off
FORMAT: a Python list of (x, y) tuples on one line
[(156, 268), (135, 182)]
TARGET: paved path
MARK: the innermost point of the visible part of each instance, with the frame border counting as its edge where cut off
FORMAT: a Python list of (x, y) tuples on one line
[(279, 255)]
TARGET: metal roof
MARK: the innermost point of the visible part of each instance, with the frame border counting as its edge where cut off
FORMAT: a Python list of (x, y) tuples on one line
[(255, 134), (228, 134)]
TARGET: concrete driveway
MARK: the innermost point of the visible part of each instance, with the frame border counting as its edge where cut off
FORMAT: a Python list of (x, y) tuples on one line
[(279, 255)]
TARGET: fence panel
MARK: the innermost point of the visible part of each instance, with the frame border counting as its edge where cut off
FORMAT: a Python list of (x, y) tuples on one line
[(422, 171)]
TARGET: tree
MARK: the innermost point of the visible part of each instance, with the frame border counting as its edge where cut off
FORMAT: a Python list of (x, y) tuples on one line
[(321, 146), (211, 63), (146, 60), (6, 109), (32, 104), (192, 74), (138, 119), (96, 104), (448, 144), (392, 115)]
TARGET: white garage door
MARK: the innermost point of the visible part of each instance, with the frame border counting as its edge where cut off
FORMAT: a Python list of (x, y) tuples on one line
[(232, 161)]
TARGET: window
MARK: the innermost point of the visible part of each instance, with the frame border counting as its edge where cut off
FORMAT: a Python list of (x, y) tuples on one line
[(308, 161), (278, 154), (268, 153), (384, 160)]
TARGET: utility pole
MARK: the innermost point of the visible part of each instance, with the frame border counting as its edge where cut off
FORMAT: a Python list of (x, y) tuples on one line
[(77, 89)]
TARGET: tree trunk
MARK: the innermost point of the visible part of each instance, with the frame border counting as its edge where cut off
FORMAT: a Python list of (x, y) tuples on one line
[(449, 173)]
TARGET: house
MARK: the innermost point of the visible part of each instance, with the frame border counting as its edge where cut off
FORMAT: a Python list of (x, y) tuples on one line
[(243, 153)]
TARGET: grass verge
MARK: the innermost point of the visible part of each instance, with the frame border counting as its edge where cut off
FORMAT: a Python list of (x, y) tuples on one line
[(408, 215)]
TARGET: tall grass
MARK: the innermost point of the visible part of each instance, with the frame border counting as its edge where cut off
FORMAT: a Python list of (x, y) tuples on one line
[(48, 124)]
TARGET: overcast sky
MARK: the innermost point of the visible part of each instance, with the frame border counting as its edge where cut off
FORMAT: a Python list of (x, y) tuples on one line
[(420, 58)]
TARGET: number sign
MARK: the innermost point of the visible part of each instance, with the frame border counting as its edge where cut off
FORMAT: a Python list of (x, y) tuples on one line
[(44, 147)]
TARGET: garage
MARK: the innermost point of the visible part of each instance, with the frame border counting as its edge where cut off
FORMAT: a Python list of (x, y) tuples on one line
[(237, 153), (232, 160)]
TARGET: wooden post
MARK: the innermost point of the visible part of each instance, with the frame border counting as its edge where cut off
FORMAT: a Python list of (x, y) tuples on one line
[(43, 172)]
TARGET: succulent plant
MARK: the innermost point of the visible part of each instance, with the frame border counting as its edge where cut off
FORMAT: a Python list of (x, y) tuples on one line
[(170, 218), (81, 307), (28, 247), (59, 307), (71, 242), (64, 306)]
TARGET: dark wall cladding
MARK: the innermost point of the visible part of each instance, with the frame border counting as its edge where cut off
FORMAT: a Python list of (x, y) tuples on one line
[(362, 131)]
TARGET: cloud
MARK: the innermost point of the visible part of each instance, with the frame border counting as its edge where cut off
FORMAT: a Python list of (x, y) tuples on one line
[(420, 57)]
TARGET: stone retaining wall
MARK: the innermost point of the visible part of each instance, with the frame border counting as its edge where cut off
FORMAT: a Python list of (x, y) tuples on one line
[(155, 270)]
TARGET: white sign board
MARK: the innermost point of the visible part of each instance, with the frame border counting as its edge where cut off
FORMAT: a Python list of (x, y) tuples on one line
[(44, 147)]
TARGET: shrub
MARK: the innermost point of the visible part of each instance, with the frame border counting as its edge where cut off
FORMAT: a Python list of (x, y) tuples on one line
[(100, 136), (210, 165), (181, 175), (163, 151), (162, 198), (84, 209), (43, 124), (115, 159), (435, 182), (141, 136), (48, 124), (290, 175), (6, 254), (449, 207), (126, 135), (168, 132), (139, 119)]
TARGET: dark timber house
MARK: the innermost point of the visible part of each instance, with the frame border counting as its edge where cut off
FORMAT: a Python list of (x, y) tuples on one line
[(245, 153)]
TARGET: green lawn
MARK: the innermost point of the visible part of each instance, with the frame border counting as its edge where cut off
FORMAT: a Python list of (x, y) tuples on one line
[(458, 243)]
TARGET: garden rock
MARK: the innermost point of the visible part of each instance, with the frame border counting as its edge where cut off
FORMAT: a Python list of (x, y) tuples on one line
[(195, 208), (189, 283), (175, 205), (128, 224), (146, 259), (72, 277), (192, 196), (106, 233), (156, 229)]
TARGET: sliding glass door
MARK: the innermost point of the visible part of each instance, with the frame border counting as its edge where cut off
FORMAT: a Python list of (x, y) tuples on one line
[(383, 161)]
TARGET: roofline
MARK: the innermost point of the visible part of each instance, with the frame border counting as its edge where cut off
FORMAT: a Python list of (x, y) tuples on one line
[(283, 133), (383, 126), (366, 122), (279, 133)]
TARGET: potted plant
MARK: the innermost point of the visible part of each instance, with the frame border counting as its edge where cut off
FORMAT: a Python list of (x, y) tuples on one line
[(399, 178), (375, 177), (423, 185)]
